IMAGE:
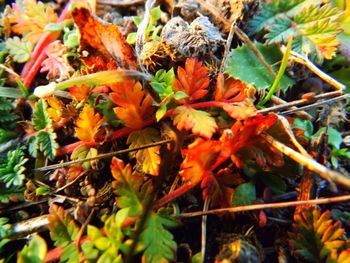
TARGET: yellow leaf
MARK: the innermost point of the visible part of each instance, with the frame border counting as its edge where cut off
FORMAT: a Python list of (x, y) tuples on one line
[(88, 124), (200, 122), (30, 18), (149, 157)]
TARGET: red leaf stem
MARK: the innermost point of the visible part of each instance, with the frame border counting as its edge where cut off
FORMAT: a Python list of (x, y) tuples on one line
[(32, 67)]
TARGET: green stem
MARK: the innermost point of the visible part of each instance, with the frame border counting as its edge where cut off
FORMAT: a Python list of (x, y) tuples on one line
[(279, 75)]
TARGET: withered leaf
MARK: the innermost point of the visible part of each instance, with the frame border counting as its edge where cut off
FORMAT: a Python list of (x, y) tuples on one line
[(102, 45)]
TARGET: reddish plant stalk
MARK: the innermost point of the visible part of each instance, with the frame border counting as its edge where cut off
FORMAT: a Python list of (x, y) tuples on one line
[(32, 67)]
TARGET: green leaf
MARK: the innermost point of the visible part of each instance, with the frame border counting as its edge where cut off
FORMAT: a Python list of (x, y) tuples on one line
[(11, 93), (12, 168), (6, 229), (129, 187), (13, 193), (63, 229), (41, 118), (42, 190), (54, 27), (131, 38), (245, 194), (47, 143), (243, 64), (20, 50), (163, 82), (70, 254), (305, 125), (5, 135), (89, 251), (158, 241), (275, 183), (334, 136), (34, 252)]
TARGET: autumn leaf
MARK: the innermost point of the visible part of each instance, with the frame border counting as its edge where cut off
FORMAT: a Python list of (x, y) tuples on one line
[(149, 158), (102, 46), (30, 18), (193, 80), (200, 159), (230, 90), (55, 108), (200, 122), (80, 93), (240, 110), (135, 106), (88, 124), (56, 63)]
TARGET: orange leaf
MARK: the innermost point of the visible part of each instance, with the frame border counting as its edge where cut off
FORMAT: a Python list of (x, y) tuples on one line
[(193, 80), (30, 18), (229, 89), (80, 93), (240, 110), (88, 124), (200, 159), (200, 122), (102, 46), (135, 107)]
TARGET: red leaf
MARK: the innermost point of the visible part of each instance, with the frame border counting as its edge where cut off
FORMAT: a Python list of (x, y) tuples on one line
[(102, 45), (193, 80)]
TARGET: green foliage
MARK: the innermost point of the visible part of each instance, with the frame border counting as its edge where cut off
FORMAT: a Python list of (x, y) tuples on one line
[(152, 31), (334, 136), (316, 237), (157, 240), (314, 26), (245, 194), (63, 232), (106, 246), (5, 227), (7, 120), (45, 141), (305, 125), (163, 82), (12, 168), (34, 252), (243, 64), (130, 188), (13, 193), (20, 50)]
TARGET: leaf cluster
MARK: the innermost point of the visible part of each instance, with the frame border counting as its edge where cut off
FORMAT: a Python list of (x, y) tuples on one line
[(313, 25)]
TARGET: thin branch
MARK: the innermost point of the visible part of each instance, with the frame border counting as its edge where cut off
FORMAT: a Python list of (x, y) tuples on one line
[(316, 104), (294, 103), (238, 209), (204, 229), (227, 46), (101, 156), (309, 163), (305, 61)]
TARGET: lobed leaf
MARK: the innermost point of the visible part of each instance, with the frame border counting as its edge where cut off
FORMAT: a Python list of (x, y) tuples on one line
[(149, 158), (20, 50), (88, 124), (158, 241), (135, 106), (193, 80), (30, 18), (200, 122), (63, 229)]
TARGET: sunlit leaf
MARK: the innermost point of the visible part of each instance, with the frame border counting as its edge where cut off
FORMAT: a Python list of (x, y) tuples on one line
[(102, 44), (149, 158), (200, 122), (20, 50), (88, 124), (193, 80), (135, 106)]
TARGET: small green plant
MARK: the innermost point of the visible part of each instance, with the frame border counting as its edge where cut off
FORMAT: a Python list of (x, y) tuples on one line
[(313, 25), (316, 237), (152, 30)]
